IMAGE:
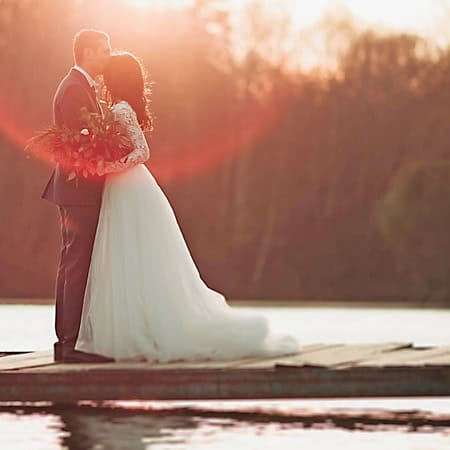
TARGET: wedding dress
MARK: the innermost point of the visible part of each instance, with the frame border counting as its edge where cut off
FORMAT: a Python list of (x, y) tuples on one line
[(145, 299)]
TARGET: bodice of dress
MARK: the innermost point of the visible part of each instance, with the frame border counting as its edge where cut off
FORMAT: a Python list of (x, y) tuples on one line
[(125, 114)]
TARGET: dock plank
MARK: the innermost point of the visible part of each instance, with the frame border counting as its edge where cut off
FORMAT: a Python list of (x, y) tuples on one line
[(408, 357), (26, 360), (209, 384), (332, 355), (438, 360), (199, 365)]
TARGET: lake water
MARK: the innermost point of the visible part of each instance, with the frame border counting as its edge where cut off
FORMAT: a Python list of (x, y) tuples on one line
[(315, 424)]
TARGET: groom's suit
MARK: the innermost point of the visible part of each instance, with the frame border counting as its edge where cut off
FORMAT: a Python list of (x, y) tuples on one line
[(79, 206)]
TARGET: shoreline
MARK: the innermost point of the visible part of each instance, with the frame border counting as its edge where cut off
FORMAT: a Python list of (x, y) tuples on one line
[(280, 303)]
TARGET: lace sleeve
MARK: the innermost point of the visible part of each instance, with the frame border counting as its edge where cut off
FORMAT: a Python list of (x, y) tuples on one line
[(125, 115)]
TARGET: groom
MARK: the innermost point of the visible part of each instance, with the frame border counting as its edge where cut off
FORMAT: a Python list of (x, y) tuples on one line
[(78, 200)]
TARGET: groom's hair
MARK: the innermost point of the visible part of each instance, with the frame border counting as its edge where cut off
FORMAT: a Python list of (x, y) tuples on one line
[(87, 39)]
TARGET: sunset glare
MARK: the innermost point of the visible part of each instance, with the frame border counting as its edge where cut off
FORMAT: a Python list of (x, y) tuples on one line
[(413, 15), (399, 14), (177, 4)]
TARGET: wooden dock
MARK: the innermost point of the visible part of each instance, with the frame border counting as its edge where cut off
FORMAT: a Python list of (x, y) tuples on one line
[(317, 371)]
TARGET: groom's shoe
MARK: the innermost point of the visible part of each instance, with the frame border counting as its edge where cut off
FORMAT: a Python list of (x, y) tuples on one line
[(71, 356), (57, 352)]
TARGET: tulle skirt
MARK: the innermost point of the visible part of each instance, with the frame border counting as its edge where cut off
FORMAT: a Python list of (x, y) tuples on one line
[(145, 299)]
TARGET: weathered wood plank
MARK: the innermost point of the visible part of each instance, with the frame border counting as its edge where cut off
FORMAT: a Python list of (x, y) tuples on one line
[(237, 363), (440, 360), (327, 355), (331, 356), (272, 362), (259, 363), (133, 366), (15, 362), (408, 357), (201, 384)]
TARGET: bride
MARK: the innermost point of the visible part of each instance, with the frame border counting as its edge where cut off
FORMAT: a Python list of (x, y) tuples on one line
[(144, 298)]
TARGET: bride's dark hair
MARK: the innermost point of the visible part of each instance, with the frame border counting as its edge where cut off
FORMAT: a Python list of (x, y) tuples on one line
[(125, 79)]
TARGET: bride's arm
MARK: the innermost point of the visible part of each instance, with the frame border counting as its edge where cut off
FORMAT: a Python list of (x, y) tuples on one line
[(141, 151)]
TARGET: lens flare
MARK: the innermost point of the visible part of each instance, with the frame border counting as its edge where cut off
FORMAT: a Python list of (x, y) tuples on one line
[(208, 153)]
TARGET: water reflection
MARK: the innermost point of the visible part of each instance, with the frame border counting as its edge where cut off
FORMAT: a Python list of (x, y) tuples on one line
[(157, 425), (30, 429), (91, 427)]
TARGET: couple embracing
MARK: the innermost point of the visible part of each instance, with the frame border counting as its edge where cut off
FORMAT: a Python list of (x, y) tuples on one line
[(127, 287)]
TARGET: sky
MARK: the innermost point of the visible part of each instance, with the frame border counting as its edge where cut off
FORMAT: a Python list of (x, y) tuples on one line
[(428, 18), (412, 14), (417, 15)]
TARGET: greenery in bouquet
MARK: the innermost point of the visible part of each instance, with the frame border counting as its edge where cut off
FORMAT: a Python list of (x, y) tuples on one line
[(84, 152)]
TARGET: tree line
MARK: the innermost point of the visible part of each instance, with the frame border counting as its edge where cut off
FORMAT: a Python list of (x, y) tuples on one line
[(287, 183)]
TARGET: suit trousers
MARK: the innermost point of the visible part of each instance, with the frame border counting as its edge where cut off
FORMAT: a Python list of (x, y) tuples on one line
[(78, 228)]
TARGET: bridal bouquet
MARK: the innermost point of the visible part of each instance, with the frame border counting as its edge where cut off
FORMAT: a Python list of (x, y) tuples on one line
[(85, 152)]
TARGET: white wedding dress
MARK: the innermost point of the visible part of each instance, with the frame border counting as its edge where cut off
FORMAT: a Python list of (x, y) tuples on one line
[(144, 298)]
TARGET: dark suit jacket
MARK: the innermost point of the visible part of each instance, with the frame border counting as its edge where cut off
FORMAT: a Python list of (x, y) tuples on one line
[(72, 94)]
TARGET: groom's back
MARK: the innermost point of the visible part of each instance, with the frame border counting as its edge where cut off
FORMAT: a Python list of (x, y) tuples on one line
[(72, 94)]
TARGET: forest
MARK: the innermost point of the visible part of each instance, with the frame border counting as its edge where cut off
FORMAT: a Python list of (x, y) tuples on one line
[(289, 181)]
